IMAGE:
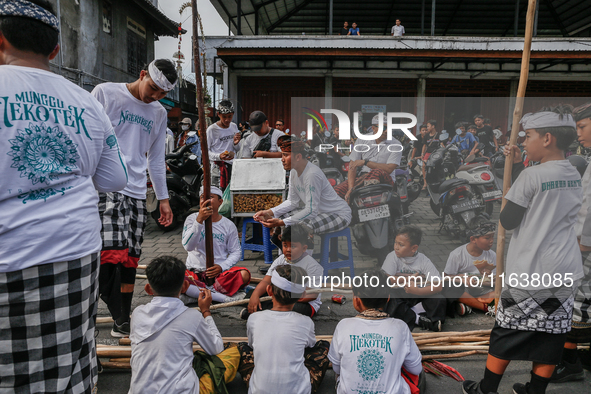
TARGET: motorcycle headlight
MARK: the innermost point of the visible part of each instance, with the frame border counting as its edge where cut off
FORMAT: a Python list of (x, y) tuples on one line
[(436, 156)]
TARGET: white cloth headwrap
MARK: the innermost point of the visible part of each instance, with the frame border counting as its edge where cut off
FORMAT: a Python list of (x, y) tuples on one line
[(213, 190), (286, 285), (159, 78), (541, 120)]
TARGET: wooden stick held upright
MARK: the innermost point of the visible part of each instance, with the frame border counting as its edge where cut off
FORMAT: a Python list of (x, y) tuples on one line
[(202, 137), (523, 77)]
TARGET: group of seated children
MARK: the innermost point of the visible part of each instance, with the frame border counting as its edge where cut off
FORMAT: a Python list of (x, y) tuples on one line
[(288, 357), (421, 304)]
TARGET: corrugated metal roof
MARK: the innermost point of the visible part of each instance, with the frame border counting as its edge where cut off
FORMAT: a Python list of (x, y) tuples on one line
[(419, 43), (376, 17)]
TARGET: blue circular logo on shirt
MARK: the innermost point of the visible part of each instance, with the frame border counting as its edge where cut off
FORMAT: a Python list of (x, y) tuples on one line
[(370, 364)]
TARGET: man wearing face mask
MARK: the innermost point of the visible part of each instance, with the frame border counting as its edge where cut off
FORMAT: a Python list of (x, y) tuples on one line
[(185, 126)]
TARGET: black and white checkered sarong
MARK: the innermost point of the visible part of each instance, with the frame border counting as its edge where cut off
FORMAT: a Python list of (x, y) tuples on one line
[(323, 222), (123, 223), (47, 327)]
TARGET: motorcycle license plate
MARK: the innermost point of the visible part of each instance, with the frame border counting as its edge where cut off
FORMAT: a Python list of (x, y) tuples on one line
[(494, 195), (382, 211), (465, 206)]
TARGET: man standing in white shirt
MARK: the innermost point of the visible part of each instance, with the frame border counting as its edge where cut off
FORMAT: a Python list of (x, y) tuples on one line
[(398, 29), (220, 142), (262, 142), (324, 211), (58, 148), (139, 121)]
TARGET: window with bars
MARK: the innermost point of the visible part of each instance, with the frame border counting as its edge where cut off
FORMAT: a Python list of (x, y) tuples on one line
[(136, 53)]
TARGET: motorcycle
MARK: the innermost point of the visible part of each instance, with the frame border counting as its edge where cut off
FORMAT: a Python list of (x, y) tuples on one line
[(332, 165), (477, 171), (183, 179), (452, 199), (377, 217)]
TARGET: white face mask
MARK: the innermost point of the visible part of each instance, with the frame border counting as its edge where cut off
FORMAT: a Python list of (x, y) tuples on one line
[(185, 127)]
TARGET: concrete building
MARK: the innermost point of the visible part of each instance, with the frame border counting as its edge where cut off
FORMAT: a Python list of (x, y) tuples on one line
[(467, 52), (111, 41)]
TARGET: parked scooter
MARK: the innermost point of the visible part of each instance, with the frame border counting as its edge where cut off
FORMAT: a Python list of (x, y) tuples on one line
[(183, 179), (377, 217), (332, 165), (452, 199), (477, 171)]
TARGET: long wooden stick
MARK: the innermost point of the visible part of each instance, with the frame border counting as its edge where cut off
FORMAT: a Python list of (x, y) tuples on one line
[(104, 320), (523, 77), (202, 138)]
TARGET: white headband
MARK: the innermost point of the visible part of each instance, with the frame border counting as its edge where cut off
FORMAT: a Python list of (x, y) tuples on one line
[(158, 77), (541, 120), (286, 285)]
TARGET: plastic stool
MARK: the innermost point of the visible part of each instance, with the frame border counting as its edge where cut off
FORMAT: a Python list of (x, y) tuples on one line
[(330, 257), (256, 243)]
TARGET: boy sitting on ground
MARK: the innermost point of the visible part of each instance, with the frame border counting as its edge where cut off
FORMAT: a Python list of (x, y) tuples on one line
[(418, 303), (373, 335), (294, 240), (163, 332), (288, 358), (226, 249), (474, 258)]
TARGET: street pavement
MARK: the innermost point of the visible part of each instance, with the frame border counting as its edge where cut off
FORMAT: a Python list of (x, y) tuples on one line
[(435, 245)]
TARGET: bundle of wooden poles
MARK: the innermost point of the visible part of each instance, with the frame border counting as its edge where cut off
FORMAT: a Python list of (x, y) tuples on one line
[(438, 345)]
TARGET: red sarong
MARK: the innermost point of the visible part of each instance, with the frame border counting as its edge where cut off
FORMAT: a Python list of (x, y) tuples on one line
[(228, 282)]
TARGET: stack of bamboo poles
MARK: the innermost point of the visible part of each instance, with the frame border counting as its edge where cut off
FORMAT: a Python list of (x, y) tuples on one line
[(463, 343)]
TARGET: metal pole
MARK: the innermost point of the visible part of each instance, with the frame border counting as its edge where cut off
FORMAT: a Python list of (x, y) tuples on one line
[(239, 16), (229, 25), (203, 138), (423, 18), (433, 18), (330, 16), (535, 34), (516, 18), (256, 22), (215, 58)]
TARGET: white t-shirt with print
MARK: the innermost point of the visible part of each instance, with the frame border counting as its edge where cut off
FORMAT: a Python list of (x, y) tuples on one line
[(141, 131), (460, 261), (312, 268), (220, 140), (545, 242), (226, 246), (386, 152), (369, 355), (419, 264), (279, 340), (57, 149), (249, 143), (311, 189)]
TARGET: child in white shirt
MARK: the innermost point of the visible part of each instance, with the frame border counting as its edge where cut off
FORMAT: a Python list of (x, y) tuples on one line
[(163, 332), (473, 259), (288, 358), (294, 254), (418, 303), (375, 365), (226, 249)]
